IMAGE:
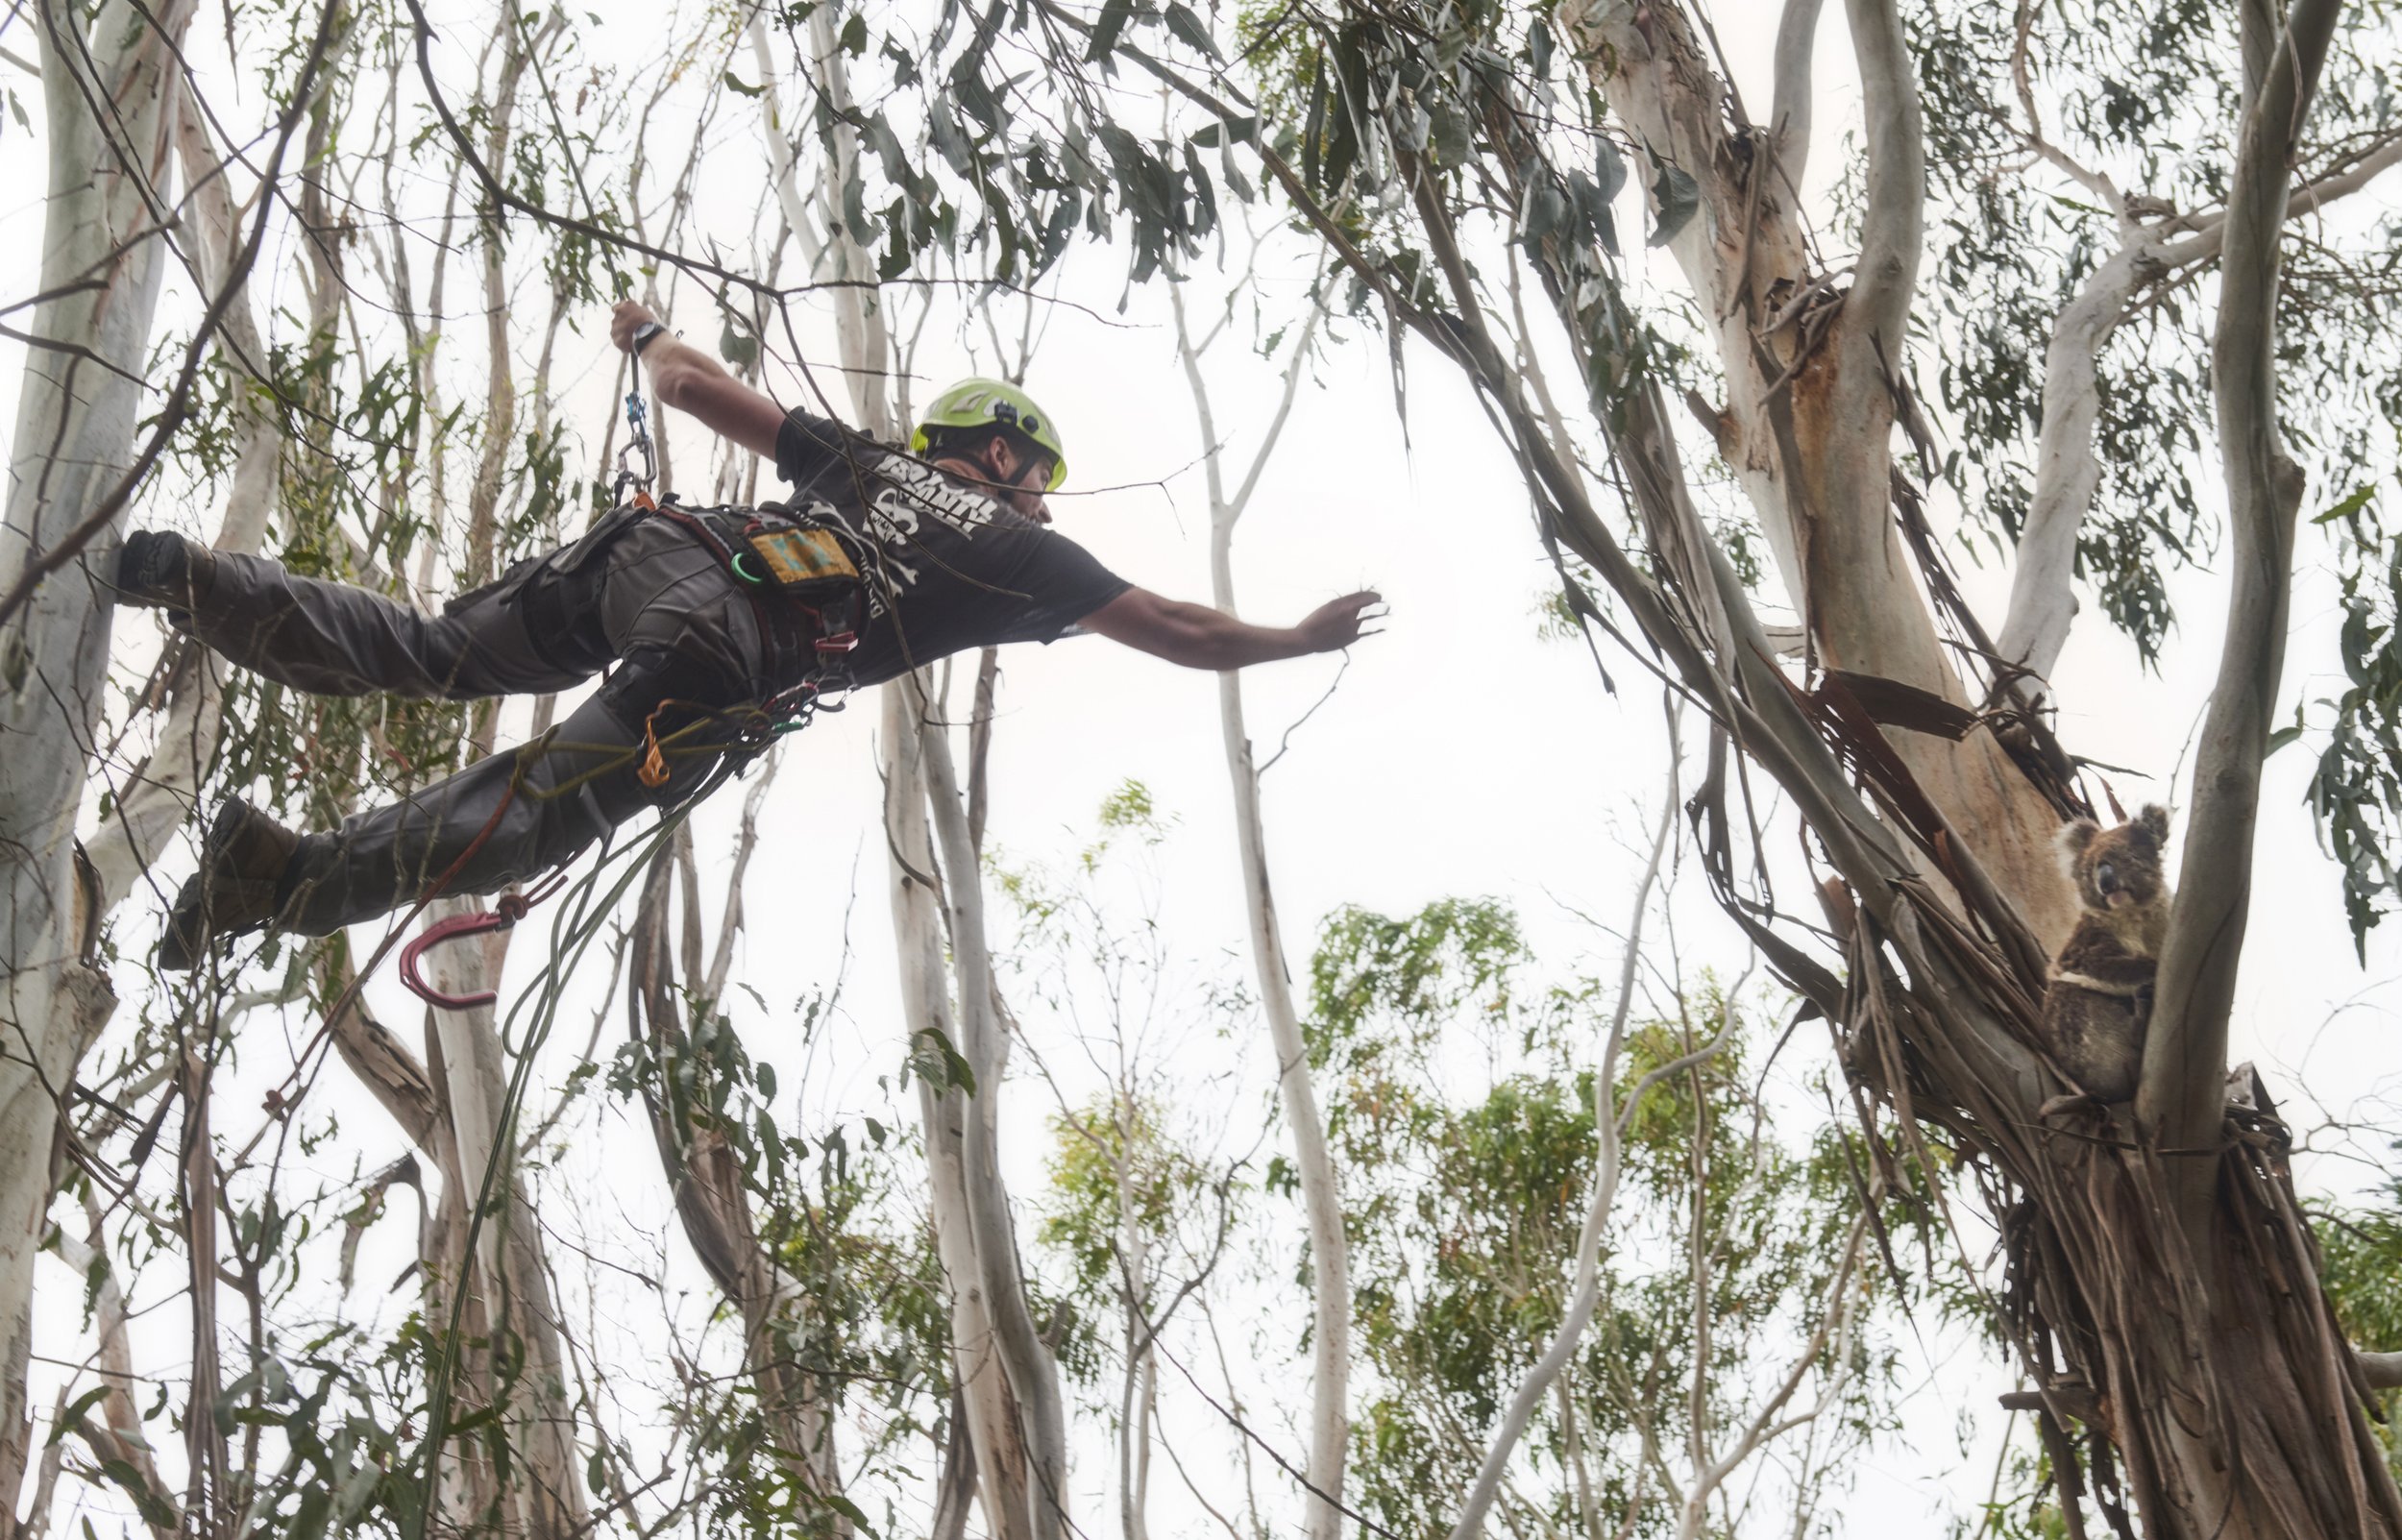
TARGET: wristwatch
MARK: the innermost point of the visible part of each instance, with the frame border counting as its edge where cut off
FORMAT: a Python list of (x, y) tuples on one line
[(642, 333)]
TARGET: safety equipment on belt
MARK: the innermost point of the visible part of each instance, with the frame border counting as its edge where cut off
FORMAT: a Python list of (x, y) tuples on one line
[(979, 403), (811, 600)]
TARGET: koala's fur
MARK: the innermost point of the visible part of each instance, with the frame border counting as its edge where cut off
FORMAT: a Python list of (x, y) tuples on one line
[(2100, 998)]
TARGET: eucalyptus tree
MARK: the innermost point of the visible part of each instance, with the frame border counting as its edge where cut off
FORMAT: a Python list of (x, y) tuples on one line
[(2102, 189), (1600, 1289), (75, 459), (325, 435), (1436, 151)]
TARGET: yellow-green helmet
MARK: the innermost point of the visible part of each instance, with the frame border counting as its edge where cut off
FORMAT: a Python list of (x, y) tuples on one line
[(987, 403)]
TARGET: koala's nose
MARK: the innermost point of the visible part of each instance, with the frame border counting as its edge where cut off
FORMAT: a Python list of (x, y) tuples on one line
[(2106, 877)]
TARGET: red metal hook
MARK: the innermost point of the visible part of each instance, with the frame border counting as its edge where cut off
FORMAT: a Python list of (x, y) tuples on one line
[(507, 912)]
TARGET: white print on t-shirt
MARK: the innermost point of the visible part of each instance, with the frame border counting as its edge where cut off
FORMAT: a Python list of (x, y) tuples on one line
[(910, 489)]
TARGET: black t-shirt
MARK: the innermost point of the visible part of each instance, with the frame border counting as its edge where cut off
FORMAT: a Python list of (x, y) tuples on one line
[(950, 567)]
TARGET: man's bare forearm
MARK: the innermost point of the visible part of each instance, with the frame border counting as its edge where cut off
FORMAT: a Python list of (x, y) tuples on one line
[(693, 384), (1199, 637)]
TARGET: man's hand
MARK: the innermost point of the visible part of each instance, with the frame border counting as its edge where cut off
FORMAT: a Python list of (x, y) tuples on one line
[(1199, 637), (1335, 624), (625, 320)]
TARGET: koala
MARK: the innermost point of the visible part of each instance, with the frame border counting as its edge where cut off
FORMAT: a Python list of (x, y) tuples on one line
[(2100, 998)]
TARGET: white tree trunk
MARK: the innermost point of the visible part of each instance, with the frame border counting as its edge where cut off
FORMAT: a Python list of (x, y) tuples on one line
[(1810, 400), (73, 441), (984, 1043), (1003, 1474), (509, 1269), (1321, 1191), (1009, 1383), (161, 795)]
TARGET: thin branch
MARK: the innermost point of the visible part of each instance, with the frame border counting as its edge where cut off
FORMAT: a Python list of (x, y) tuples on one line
[(1584, 1297)]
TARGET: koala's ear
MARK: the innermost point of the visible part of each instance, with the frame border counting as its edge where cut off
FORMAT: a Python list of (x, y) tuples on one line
[(2072, 839), (2153, 819)]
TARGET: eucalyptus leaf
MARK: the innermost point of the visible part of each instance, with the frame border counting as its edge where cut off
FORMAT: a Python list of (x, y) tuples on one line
[(1104, 30), (1188, 30), (1610, 170), (2352, 504), (1677, 198)]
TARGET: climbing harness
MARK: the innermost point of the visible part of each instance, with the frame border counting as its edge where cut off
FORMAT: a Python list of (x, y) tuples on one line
[(810, 600)]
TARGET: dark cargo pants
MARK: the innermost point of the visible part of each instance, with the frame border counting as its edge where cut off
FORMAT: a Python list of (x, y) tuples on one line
[(638, 589)]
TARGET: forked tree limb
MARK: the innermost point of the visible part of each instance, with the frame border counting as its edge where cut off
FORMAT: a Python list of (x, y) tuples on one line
[(2180, 1099), (2068, 471), (1330, 1333)]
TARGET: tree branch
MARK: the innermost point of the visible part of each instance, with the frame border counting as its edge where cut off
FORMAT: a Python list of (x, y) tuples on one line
[(2181, 1095), (1585, 1295), (2067, 474), (1789, 110), (1892, 227)]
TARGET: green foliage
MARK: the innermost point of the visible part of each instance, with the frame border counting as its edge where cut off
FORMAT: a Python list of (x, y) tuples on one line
[(2361, 1266), (2356, 788), (2145, 96), (1463, 1105), (862, 1309)]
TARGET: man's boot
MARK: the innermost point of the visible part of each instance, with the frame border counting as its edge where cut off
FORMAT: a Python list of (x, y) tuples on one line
[(159, 569), (237, 888)]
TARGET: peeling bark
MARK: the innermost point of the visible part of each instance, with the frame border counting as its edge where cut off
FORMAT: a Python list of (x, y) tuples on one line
[(1811, 373), (704, 1172)]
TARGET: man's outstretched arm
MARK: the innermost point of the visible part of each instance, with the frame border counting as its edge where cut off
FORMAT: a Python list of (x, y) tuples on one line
[(691, 381), (1199, 637)]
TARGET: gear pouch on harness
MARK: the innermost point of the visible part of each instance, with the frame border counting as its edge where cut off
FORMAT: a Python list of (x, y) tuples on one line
[(810, 564), (806, 562), (802, 572)]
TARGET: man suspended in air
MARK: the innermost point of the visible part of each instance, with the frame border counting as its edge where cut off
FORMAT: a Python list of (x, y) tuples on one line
[(712, 623)]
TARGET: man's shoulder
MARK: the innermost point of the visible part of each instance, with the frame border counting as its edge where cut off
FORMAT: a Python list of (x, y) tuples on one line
[(809, 446)]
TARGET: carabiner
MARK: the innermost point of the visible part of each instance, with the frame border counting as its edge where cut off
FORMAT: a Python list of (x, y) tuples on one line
[(637, 443), (508, 912)]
